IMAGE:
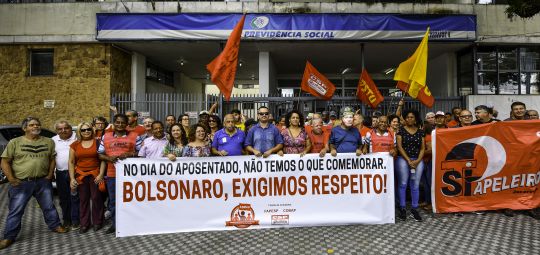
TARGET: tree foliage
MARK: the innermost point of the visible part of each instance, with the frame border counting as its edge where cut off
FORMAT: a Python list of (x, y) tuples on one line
[(523, 8)]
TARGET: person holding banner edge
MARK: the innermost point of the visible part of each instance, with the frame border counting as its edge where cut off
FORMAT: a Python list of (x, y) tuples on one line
[(86, 173), (380, 139), (228, 141), (345, 138), (114, 146), (176, 143), (295, 139), (263, 139), (198, 145), (409, 164)]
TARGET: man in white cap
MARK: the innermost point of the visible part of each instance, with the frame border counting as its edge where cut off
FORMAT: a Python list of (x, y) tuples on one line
[(440, 118)]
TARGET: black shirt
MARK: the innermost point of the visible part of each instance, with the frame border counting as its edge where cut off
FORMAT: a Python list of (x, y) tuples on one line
[(478, 122), (411, 143)]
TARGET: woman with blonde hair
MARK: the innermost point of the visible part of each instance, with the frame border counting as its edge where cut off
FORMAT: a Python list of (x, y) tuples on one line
[(86, 173)]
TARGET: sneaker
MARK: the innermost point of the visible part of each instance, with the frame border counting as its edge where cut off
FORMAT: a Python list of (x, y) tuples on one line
[(111, 230), (479, 212), (67, 224), (402, 214), (508, 213), (5, 243), (60, 229), (459, 214), (416, 215), (427, 207), (533, 213), (75, 227), (97, 227), (107, 215), (83, 230)]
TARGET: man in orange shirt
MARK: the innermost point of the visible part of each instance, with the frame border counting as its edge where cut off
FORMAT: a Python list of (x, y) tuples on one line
[(115, 146), (132, 123), (358, 122), (454, 122), (319, 137)]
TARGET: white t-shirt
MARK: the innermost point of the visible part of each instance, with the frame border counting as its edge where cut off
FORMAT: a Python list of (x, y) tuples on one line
[(62, 151)]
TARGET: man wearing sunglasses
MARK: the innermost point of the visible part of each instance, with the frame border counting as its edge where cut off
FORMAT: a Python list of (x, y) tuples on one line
[(465, 118), (264, 138)]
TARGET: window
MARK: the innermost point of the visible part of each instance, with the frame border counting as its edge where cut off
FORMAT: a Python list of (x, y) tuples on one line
[(529, 59), (486, 77), (465, 73), (41, 62), (160, 75), (508, 70)]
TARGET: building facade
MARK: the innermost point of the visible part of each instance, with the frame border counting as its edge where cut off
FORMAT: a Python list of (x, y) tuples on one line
[(67, 60)]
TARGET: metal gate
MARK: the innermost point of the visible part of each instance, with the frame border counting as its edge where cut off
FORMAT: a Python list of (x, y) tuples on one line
[(159, 105)]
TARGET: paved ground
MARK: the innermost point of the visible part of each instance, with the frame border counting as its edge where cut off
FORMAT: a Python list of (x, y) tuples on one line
[(492, 233)]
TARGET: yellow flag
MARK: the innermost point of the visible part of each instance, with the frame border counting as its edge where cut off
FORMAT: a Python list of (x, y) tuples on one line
[(413, 70)]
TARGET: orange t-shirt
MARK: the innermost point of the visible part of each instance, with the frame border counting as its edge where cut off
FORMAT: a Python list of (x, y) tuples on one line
[(115, 146), (452, 123), (363, 131), (86, 159), (318, 141), (427, 140), (139, 129)]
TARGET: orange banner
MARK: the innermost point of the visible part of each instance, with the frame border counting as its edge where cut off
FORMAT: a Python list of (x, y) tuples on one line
[(367, 91), (317, 84), (487, 167)]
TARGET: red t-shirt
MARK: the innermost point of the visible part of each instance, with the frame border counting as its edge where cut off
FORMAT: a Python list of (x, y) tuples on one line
[(318, 141)]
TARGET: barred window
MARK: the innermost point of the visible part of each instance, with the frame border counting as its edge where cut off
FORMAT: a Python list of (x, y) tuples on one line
[(41, 62)]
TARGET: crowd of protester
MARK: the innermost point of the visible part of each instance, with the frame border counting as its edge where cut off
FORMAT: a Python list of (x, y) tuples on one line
[(83, 161)]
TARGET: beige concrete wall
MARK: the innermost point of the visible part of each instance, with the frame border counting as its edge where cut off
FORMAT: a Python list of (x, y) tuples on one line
[(495, 27), (120, 71), (80, 85), (75, 22)]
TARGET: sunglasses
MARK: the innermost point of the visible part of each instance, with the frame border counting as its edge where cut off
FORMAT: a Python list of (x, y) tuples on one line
[(211, 121), (86, 130), (264, 113)]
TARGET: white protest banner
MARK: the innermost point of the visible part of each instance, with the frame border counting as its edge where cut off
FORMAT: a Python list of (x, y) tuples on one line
[(226, 193)]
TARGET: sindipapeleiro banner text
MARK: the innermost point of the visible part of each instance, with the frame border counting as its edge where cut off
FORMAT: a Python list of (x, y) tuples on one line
[(487, 167)]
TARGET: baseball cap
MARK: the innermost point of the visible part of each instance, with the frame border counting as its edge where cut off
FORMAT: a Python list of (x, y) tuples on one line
[(333, 114), (346, 111), (440, 113), (203, 112)]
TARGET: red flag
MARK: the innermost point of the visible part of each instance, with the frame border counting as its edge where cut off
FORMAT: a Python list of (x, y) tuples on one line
[(424, 95), (367, 91), (316, 84), (223, 67)]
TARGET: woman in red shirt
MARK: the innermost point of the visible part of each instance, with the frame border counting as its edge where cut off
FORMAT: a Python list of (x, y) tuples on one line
[(86, 172)]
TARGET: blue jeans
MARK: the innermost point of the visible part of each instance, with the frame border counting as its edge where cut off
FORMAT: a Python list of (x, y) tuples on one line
[(68, 202), (404, 174), (111, 189), (426, 181), (18, 199)]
